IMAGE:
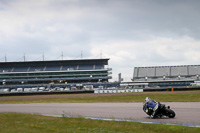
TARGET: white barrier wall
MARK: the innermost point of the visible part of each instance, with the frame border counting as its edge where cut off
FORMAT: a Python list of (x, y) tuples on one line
[(118, 91)]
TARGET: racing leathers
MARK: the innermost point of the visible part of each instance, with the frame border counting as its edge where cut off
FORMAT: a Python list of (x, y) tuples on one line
[(151, 108)]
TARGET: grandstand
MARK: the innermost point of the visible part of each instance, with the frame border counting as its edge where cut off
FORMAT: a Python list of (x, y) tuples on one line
[(54, 72), (164, 76), (71, 71)]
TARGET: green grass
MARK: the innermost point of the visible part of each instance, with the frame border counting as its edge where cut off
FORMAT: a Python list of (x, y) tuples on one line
[(26, 123), (186, 97)]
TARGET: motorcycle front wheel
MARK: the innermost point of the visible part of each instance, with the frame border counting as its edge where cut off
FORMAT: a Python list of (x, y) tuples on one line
[(170, 113)]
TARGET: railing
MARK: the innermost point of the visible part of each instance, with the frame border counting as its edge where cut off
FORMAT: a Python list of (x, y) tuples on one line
[(32, 70)]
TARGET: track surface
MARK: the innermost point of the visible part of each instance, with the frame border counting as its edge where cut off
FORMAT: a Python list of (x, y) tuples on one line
[(186, 113)]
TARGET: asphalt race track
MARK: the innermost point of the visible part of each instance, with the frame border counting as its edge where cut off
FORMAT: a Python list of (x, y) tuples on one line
[(186, 112)]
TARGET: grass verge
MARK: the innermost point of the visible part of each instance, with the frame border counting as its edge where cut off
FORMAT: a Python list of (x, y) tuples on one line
[(172, 97), (27, 123)]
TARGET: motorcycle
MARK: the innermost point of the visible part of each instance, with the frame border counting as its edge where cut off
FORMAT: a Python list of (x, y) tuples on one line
[(162, 111)]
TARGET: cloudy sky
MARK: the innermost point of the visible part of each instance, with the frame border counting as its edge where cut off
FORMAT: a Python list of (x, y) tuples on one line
[(132, 33)]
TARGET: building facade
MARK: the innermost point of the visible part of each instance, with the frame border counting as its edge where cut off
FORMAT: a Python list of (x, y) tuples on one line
[(167, 76)]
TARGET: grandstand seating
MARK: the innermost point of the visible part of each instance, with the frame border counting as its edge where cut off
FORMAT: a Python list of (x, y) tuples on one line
[(20, 69), (99, 67), (85, 67), (69, 67), (52, 68), (7, 69), (166, 72), (37, 68)]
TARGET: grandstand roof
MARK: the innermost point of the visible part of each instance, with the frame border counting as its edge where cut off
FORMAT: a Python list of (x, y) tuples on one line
[(54, 62)]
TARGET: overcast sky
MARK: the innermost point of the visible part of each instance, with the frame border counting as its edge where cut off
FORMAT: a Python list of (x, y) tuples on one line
[(132, 33)]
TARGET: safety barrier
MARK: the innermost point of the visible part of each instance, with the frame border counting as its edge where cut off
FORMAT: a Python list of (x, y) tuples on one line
[(118, 91)]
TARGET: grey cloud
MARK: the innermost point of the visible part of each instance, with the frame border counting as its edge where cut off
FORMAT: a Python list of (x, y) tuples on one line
[(131, 19), (72, 26)]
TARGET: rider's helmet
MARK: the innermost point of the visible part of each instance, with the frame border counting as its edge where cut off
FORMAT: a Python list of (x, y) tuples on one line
[(147, 99)]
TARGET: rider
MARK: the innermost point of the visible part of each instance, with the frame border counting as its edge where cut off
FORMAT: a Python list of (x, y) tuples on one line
[(150, 107)]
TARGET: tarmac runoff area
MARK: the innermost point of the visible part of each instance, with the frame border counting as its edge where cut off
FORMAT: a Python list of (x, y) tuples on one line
[(187, 113)]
